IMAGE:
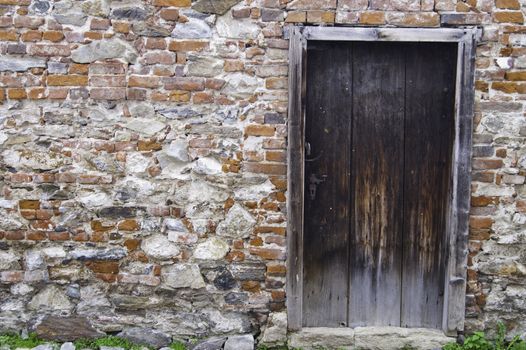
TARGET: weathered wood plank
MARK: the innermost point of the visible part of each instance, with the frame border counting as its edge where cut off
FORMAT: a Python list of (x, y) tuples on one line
[(461, 179), (377, 156), (297, 65), (328, 130), (384, 34), (429, 137)]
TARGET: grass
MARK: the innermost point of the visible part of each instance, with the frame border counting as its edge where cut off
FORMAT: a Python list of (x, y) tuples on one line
[(16, 341)]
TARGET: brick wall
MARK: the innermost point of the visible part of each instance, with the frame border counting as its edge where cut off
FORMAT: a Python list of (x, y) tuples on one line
[(143, 159)]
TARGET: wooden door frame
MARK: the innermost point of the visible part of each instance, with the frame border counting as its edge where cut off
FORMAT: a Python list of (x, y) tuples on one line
[(459, 198)]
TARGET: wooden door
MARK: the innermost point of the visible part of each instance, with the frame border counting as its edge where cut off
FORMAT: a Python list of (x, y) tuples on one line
[(379, 136)]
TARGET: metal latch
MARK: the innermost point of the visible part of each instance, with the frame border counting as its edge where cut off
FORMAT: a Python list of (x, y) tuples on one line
[(314, 181)]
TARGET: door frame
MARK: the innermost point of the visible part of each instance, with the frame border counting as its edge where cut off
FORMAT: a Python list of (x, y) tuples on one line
[(459, 198)]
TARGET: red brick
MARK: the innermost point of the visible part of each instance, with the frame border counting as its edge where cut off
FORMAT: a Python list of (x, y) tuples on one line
[(188, 45), (509, 17), (47, 50), (268, 253), (259, 130), (20, 178), (487, 163), (266, 168), (174, 3), (31, 35), (202, 97), (147, 145), (67, 80), (54, 36), (143, 81), (128, 225), (478, 222), (111, 267), (108, 80), (508, 4), (155, 44), (100, 24), (28, 22), (182, 83), (36, 235), (16, 94), (59, 236), (11, 276)]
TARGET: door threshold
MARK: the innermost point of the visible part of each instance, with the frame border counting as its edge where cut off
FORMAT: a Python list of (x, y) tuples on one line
[(374, 338)]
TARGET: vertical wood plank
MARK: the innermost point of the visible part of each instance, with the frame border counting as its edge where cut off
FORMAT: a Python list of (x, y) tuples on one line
[(429, 137), (459, 215), (326, 229), (376, 229), (297, 53)]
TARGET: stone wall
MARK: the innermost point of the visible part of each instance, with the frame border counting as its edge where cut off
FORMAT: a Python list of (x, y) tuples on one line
[(143, 160)]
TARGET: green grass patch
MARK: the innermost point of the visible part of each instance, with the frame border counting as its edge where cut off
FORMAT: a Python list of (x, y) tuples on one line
[(14, 341), (478, 341), (177, 346), (110, 340)]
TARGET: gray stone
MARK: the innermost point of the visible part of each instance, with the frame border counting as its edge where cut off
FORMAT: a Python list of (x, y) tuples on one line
[(215, 343), (224, 280), (74, 18), (159, 247), (20, 64), (145, 126), (131, 302), (316, 338), (269, 15), (240, 85), (276, 331), (67, 346), (110, 348), (65, 329), (205, 66), (240, 342), (182, 276), (384, 338), (43, 347), (151, 30), (10, 223), (238, 223), (104, 49), (248, 271), (34, 260), (177, 151), (193, 29), (235, 28), (142, 110), (9, 261), (40, 7), (120, 212), (99, 254), (212, 249), (236, 298), (218, 7), (207, 166), (146, 336), (170, 224), (97, 8), (57, 68), (228, 322), (50, 298), (179, 113), (129, 12)]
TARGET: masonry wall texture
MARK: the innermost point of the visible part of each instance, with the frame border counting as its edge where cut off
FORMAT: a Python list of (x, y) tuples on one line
[(143, 161)]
